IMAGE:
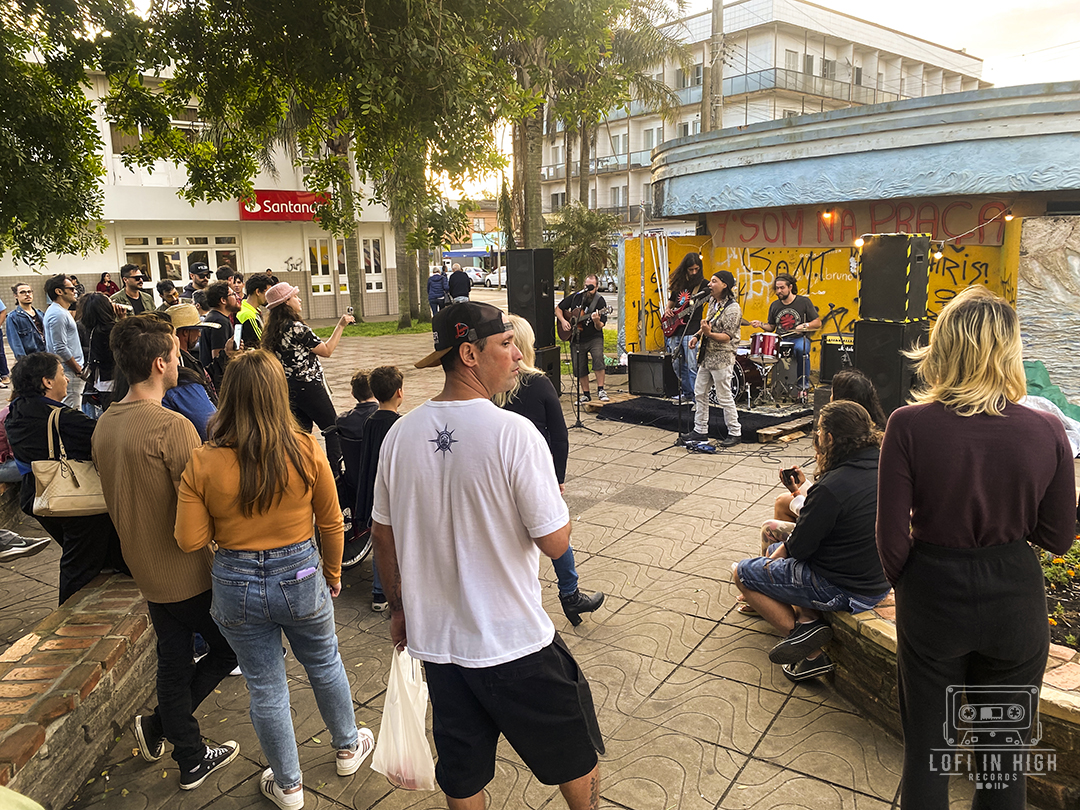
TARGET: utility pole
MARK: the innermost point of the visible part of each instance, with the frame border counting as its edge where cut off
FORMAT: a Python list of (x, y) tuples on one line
[(716, 68)]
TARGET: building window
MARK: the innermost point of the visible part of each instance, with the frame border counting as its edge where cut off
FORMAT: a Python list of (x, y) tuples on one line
[(319, 265), (479, 224), (684, 80), (186, 122), (808, 64), (619, 143), (371, 251), (881, 81), (828, 68), (684, 130), (342, 265), (791, 60), (161, 257), (556, 155), (592, 198), (646, 193), (558, 200), (858, 75), (652, 137)]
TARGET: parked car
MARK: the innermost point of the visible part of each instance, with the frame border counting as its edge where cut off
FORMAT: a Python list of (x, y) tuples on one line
[(494, 279), (475, 274)]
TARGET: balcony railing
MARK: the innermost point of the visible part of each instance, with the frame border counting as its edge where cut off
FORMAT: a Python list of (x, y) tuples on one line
[(781, 79)]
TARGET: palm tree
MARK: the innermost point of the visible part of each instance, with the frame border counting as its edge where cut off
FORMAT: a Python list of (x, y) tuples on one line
[(583, 242)]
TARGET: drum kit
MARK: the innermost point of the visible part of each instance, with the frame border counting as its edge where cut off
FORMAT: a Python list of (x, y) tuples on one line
[(753, 366)]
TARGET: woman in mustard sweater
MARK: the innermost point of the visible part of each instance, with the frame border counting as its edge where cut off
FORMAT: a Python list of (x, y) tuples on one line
[(254, 490)]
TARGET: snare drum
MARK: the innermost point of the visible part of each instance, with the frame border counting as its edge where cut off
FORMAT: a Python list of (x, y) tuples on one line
[(763, 347)]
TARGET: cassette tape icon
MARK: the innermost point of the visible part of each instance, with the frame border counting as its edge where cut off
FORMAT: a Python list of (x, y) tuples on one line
[(992, 715)]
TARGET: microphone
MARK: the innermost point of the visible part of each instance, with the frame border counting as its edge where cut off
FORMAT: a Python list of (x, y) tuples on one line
[(700, 296)]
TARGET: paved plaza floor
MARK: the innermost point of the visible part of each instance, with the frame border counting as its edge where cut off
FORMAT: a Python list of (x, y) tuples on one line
[(693, 713)]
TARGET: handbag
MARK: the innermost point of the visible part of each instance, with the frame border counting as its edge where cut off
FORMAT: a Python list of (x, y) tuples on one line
[(446, 299), (65, 487), (402, 753)]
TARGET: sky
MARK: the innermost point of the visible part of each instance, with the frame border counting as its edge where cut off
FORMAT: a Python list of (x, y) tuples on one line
[(1019, 43)]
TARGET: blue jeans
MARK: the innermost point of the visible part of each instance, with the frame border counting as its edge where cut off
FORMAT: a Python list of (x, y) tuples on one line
[(794, 582), (566, 573), (801, 350), (257, 594), (686, 365)]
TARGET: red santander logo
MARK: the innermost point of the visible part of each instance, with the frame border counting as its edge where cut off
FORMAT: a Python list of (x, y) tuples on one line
[(281, 206)]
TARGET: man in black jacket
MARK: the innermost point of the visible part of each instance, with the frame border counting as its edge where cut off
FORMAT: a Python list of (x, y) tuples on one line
[(828, 561), (459, 285)]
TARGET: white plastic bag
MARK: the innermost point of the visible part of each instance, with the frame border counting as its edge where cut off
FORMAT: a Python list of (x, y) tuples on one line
[(402, 753)]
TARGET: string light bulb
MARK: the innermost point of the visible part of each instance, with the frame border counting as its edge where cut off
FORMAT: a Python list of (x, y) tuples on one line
[(1008, 216), (938, 254), (860, 242), (826, 214)]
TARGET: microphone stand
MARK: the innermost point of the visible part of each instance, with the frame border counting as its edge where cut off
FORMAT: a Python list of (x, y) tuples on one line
[(681, 353)]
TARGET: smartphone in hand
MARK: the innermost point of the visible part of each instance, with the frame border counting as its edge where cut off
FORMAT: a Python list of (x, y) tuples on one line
[(238, 330)]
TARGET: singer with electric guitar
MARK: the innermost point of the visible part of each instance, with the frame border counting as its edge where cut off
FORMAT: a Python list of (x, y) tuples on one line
[(581, 316), (718, 338), (682, 319)]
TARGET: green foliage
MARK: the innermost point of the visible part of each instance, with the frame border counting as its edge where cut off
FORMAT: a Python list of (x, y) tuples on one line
[(399, 86), (582, 242), (1061, 571), (438, 223), (50, 149)]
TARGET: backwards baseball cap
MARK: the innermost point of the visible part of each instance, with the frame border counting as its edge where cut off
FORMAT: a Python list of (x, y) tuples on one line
[(199, 269), (466, 322)]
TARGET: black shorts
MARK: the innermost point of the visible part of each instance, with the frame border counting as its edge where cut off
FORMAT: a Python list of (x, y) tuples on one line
[(541, 703)]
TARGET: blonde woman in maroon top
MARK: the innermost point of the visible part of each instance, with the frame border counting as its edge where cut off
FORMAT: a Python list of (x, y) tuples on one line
[(967, 479)]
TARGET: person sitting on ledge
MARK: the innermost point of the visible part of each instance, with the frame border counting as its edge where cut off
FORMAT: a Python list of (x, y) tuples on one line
[(852, 384), (828, 561)]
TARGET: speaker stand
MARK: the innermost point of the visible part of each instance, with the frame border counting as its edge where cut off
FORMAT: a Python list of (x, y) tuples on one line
[(578, 424)]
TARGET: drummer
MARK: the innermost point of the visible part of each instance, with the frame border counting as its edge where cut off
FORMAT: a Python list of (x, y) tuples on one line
[(792, 316)]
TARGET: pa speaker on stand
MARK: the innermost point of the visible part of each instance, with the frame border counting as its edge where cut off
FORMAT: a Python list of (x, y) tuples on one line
[(530, 291)]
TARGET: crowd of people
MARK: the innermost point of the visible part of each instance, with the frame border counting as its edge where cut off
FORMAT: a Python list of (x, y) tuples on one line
[(252, 523)]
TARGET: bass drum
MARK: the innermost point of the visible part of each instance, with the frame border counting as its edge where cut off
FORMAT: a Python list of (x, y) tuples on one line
[(743, 374)]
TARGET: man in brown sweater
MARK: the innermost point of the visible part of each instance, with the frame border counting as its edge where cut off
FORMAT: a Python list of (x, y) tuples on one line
[(141, 450)]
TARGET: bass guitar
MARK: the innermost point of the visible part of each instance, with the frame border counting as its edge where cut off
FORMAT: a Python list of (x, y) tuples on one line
[(578, 319)]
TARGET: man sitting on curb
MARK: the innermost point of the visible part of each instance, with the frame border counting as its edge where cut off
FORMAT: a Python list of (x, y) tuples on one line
[(828, 561)]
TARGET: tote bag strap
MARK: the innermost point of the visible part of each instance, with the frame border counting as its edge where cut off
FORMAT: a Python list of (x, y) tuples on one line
[(54, 425)]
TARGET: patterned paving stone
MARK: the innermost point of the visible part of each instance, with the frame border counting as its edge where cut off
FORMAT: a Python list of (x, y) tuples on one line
[(651, 631), (761, 786), (740, 653), (834, 745), (650, 549)]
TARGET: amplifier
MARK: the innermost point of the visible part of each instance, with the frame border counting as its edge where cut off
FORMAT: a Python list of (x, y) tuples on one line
[(834, 349), (651, 375)]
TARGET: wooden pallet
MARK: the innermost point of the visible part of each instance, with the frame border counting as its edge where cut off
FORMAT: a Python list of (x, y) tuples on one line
[(775, 433), (595, 405)]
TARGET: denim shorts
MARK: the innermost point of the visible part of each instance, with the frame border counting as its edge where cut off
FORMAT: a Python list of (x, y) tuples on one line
[(793, 582)]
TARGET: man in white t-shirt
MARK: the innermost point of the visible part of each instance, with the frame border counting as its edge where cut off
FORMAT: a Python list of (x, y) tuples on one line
[(466, 499)]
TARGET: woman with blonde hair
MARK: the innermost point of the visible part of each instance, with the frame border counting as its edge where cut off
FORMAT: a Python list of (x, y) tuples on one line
[(534, 397), (968, 477), (255, 489)]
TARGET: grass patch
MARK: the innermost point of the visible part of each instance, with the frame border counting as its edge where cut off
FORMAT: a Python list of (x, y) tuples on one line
[(377, 329)]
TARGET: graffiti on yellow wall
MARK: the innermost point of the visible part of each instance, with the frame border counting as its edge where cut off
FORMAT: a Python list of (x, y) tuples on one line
[(828, 275)]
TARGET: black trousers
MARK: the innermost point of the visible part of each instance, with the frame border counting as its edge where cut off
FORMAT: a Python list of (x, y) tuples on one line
[(964, 617), (89, 544), (181, 683), (311, 405)]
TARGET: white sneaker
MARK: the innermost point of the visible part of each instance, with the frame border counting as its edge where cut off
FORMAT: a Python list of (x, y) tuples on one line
[(272, 790), (349, 761)]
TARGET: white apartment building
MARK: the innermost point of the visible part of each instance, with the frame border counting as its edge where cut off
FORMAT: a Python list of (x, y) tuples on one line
[(783, 58), (147, 224)]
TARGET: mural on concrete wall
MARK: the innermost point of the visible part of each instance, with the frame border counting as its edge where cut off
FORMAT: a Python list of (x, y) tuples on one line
[(829, 275), (1048, 297)]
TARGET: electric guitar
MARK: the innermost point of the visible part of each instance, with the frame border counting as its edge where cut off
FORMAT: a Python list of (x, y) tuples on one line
[(672, 322), (578, 319), (703, 340)]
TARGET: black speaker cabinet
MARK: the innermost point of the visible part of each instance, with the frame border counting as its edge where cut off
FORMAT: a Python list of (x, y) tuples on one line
[(530, 291), (549, 362), (822, 396), (894, 277), (652, 375), (834, 348), (878, 348)]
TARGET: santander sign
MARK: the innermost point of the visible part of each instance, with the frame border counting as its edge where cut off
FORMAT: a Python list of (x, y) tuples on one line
[(278, 206)]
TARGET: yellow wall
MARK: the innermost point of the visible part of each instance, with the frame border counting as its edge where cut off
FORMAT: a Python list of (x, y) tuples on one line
[(827, 275)]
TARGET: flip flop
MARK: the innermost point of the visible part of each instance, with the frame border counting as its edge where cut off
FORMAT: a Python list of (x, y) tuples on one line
[(746, 610)]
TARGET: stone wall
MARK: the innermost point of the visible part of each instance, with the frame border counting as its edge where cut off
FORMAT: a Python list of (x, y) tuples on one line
[(68, 685)]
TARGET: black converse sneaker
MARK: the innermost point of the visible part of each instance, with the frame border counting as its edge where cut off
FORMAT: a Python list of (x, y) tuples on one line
[(151, 744), (213, 758)]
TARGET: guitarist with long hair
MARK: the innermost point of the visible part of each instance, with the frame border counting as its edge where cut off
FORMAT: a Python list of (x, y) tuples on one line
[(684, 283), (718, 339), (585, 313)]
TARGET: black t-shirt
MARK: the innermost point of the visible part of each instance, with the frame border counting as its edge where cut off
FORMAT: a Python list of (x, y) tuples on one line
[(375, 430), (212, 339), (681, 295), (785, 317), (578, 300), (136, 304)]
